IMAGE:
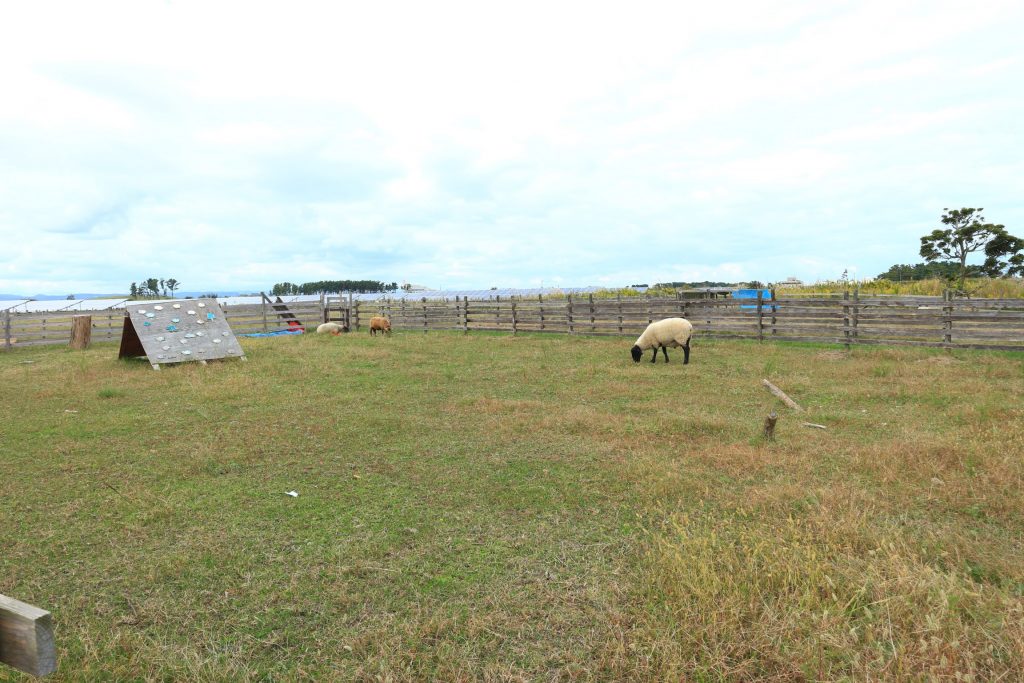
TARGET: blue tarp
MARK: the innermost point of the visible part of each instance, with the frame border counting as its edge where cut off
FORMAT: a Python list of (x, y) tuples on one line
[(766, 296), (279, 333)]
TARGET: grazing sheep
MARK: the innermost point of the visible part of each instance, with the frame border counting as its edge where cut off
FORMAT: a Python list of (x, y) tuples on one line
[(663, 334), (331, 328), (379, 323)]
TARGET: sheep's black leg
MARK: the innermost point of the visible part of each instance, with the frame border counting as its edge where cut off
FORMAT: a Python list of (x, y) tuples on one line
[(664, 349), (686, 353), (654, 358)]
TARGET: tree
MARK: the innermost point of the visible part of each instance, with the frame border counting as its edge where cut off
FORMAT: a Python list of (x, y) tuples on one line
[(172, 285), (134, 291), (943, 270), (969, 233), (153, 285)]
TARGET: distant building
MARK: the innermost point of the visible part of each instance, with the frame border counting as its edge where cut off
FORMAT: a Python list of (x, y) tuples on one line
[(790, 282)]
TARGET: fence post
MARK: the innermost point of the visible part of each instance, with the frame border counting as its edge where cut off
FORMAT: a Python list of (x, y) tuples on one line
[(263, 308), (650, 314), (568, 314), (514, 331), (592, 326), (947, 320), (424, 301), (760, 314), (7, 329), (540, 305), (465, 314), (846, 319), (620, 312), (81, 332), (856, 310), (774, 311)]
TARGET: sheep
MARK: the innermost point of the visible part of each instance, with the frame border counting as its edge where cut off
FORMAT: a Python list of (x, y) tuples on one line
[(379, 323), (331, 328), (663, 334)]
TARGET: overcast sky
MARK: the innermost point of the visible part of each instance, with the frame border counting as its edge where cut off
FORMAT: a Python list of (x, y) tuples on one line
[(468, 145)]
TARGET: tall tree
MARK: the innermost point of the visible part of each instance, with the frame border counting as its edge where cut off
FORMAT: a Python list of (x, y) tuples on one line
[(134, 291), (153, 285), (172, 285), (968, 233)]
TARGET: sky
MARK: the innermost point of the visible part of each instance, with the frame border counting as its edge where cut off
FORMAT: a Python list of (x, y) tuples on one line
[(234, 145)]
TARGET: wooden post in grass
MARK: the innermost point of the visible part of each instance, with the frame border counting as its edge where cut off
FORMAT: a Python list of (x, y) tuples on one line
[(81, 332), (568, 313), (26, 637), (769, 425), (465, 315), (424, 300), (263, 309), (540, 308), (514, 330), (620, 312)]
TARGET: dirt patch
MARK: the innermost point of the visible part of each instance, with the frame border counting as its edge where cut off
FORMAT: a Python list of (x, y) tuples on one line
[(940, 360)]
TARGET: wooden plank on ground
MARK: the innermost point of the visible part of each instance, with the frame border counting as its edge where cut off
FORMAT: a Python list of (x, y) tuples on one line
[(26, 637)]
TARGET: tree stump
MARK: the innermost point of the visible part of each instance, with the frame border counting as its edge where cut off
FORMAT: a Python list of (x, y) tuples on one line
[(81, 331), (769, 426)]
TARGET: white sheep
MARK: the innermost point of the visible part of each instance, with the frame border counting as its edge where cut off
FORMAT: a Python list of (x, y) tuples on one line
[(663, 334), (331, 328)]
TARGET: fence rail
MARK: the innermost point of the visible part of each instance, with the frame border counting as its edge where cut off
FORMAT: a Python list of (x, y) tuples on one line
[(844, 318)]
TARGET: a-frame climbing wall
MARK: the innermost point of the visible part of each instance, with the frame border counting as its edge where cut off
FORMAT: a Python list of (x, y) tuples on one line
[(177, 332)]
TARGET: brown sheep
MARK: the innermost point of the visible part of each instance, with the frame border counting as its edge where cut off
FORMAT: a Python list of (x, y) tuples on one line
[(379, 323)]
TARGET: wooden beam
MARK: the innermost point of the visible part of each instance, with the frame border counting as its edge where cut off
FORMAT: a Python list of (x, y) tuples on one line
[(781, 395), (26, 637)]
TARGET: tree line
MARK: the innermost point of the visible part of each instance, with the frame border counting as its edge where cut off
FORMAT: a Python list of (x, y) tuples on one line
[(153, 287), (333, 287)]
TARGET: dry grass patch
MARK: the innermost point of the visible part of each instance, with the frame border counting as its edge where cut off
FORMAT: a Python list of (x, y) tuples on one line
[(539, 508)]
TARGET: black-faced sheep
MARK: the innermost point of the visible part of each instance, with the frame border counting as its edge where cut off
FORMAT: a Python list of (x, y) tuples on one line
[(379, 323), (663, 334)]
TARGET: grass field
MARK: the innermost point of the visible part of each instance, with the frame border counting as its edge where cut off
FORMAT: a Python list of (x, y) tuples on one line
[(500, 508)]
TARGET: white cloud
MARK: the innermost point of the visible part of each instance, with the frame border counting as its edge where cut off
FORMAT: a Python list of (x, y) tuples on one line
[(240, 144)]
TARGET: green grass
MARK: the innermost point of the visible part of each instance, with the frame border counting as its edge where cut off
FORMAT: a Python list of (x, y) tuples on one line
[(489, 507)]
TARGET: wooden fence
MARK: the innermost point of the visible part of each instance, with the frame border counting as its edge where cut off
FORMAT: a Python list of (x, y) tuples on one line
[(843, 318)]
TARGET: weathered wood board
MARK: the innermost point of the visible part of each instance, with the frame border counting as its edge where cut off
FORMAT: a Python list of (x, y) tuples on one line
[(26, 637), (178, 332)]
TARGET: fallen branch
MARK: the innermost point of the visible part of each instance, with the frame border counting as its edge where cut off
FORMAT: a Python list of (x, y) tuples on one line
[(811, 424), (781, 395)]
